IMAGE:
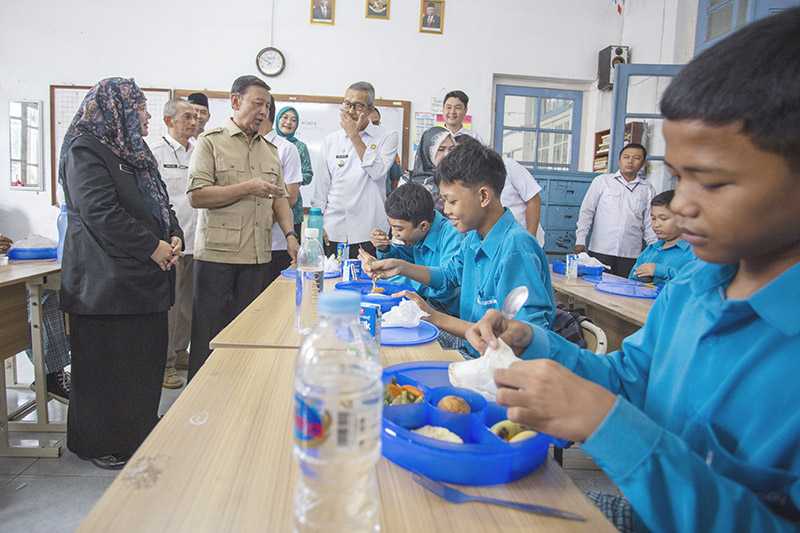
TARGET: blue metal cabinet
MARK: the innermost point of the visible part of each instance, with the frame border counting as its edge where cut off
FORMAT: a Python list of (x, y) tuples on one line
[(561, 217), (568, 192), (558, 243), (562, 194)]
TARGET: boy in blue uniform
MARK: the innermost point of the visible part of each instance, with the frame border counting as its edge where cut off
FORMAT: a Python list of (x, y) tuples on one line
[(662, 260), (497, 254), (428, 238), (696, 417)]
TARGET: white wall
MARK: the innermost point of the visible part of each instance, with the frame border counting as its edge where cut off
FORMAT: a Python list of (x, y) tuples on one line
[(186, 44)]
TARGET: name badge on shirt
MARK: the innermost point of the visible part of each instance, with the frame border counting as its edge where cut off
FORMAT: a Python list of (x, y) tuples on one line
[(173, 165), (485, 300), (341, 159)]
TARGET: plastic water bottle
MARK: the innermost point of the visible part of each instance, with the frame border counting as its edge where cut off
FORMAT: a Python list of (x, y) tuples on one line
[(338, 407), (309, 281), (62, 231), (315, 220)]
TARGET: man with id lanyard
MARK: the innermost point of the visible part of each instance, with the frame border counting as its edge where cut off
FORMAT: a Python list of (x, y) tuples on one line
[(352, 184), (173, 152)]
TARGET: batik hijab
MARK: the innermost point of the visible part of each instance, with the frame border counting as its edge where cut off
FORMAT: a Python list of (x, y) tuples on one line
[(109, 113)]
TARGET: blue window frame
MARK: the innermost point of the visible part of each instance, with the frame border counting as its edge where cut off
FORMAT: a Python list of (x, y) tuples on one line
[(622, 114), (718, 18), (628, 79), (539, 128)]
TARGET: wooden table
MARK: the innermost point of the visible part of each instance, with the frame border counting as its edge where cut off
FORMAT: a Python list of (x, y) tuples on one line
[(17, 281), (617, 315), (221, 461), (268, 322)]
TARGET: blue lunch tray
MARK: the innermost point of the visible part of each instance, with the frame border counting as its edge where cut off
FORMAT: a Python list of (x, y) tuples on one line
[(483, 459), (560, 267), (422, 334), (291, 273), (21, 254), (634, 289), (385, 299)]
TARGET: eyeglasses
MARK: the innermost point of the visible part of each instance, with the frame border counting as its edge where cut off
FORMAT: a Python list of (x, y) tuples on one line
[(358, 106)]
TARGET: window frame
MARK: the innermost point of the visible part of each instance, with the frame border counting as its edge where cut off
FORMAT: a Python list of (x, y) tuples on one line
[(501, 91)]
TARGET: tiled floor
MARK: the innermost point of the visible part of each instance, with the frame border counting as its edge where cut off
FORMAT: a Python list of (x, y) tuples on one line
[(51, 495), (54, 495)]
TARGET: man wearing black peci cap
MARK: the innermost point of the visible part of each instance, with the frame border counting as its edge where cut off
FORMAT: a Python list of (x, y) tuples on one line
[(199, 102)]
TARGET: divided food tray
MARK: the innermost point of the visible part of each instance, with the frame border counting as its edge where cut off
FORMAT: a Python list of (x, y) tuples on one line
[(385, 299), (483, 459)]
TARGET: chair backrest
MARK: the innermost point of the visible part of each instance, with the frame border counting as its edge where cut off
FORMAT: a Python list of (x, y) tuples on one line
[(595, 338)]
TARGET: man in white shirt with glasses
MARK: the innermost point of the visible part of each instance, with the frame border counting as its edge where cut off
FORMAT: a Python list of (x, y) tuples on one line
[(617, 210), (352, 184), (172, 152)]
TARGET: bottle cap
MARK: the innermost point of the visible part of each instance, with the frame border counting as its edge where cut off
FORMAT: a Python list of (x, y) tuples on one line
[(340, 303)]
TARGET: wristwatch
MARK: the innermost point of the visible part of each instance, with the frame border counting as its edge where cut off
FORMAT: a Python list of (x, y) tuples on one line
[(291, 234)]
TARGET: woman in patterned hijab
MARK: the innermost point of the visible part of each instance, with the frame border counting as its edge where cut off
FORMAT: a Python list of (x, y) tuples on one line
[(117, 282), (113, 112)]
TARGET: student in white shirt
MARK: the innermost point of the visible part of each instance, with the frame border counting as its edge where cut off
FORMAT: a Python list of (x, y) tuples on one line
[(293, 177), (617, 210), (172, 152), (352, 182)]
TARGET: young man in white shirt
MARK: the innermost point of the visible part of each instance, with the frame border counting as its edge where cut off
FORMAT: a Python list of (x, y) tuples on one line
[(352, 182), (293, 177), (173, 152), (454, 109), (617, 210)]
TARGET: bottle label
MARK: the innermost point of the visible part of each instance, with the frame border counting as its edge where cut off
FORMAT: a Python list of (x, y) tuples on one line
[(311, 425), (348, 427)]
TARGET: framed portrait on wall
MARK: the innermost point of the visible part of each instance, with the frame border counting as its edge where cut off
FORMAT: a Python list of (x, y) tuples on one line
[(431, 16), (323, 11), (378, 9)]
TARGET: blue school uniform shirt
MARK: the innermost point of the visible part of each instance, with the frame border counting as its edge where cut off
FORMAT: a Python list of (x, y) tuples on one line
[(668, 262), (705, 432), (441, 243), (488, 269)]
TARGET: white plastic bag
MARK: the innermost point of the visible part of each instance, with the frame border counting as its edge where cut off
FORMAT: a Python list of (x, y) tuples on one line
[(405, 315), (478, 374)]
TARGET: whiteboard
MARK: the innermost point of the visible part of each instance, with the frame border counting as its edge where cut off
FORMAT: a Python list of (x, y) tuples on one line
[(64, 103), (317, 120)]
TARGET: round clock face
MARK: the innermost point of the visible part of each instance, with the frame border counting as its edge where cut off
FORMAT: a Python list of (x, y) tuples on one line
[(270, 61)]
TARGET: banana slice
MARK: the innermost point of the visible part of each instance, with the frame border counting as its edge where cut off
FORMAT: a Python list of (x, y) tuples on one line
[(523, 435), (506, 429)]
